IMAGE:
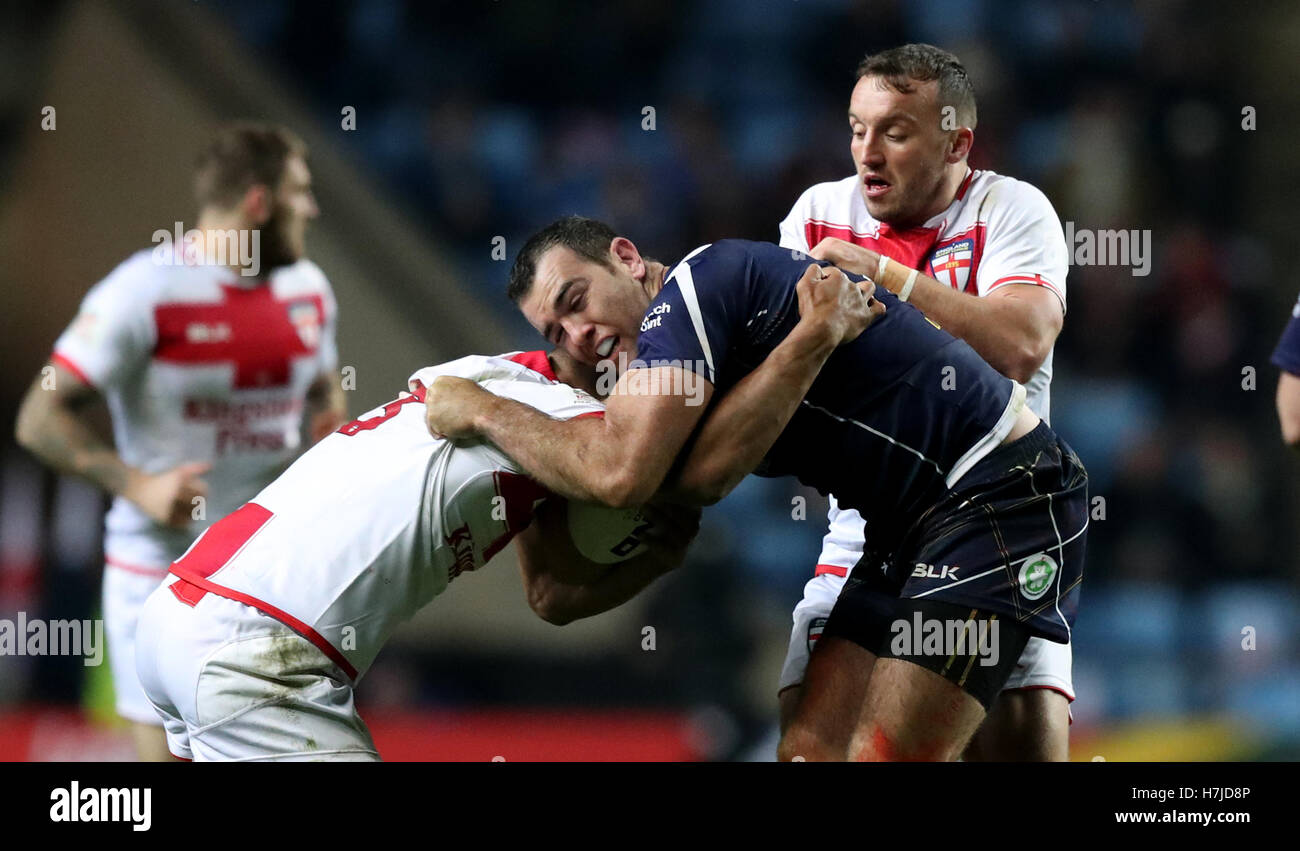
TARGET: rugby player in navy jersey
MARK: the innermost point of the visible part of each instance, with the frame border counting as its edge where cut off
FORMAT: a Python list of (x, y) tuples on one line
[(979, 509)]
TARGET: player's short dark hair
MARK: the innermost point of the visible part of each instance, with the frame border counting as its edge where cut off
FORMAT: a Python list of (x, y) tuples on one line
[(239, 155), (900, 67), (585, 237)]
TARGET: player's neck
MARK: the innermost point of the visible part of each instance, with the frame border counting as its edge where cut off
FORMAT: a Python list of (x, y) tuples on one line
[(654, 277), (216, 248), (953, 178)]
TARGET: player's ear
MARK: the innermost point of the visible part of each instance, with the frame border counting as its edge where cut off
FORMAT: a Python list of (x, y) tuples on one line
[(963, 139), (626, 254), (256, 204)]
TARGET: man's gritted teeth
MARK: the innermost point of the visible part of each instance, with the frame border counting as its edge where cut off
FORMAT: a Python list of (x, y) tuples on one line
[(606, 347), (875, 185)]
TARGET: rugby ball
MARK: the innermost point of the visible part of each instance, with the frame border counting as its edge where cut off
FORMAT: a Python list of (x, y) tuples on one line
[(607, 535)]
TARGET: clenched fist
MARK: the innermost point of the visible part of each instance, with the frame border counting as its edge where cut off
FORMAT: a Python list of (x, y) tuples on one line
[(851, 258), (451, 406), (837, 306)]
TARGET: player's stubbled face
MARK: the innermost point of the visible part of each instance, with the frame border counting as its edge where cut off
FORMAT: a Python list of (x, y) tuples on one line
[(899, 150), (284, 233), (591, 311)]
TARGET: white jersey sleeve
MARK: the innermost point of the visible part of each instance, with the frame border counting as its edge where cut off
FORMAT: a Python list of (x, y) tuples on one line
[(501, 375), (113, 333), (792, 229), (1026, 244), (328, 353)]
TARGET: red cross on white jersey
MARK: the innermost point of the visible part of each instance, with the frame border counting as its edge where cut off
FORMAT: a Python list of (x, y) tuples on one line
[(249, 328)]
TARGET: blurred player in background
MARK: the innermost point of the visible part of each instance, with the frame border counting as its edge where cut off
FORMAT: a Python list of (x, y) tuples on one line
[(984, 256), (1286, 357), (213, 355), (252, 649)]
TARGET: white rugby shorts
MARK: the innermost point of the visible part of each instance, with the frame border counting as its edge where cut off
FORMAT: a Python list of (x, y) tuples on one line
[(232, 684), (125, 588)]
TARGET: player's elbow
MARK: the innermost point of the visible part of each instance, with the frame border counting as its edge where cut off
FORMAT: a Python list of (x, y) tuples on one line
[(1288, 409), (1022, 358), (554, 614), (27, 427), (547, 605), (1021, 342), (626, 488), (704, 489), (1290, 423)]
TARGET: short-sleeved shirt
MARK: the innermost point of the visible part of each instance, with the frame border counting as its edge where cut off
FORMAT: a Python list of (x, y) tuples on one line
[(894, 418), (199, 364)]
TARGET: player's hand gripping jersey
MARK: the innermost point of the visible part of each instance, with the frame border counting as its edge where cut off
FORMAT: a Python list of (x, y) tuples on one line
[(375, 520)]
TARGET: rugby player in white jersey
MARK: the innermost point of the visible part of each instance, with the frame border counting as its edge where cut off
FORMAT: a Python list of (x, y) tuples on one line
[(982, 255), (212, 356), (252, 649)]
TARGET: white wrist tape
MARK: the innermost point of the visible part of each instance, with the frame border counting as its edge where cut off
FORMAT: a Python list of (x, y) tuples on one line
[(880, 271), (907, 286)]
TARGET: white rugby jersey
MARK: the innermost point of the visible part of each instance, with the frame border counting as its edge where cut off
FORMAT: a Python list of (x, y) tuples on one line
[(375, 520), (997, 231), (199, 364)]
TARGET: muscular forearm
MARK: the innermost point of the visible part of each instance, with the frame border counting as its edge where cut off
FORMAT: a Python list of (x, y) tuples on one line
[(745, 423), (60, 439), (326, 407), (561, 603), (999, 332), (563, 586), (1288, 409), (573, 459)]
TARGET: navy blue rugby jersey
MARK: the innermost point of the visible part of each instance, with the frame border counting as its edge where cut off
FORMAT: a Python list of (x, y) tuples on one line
[(893, 420), (1287, 354)]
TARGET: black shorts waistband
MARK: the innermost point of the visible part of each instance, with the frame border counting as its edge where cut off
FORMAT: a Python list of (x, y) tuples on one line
[(1024, 448)]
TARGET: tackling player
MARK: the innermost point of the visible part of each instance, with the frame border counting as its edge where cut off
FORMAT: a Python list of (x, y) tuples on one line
[(210, 355), (252, 648), (984, 256), (904, 423)]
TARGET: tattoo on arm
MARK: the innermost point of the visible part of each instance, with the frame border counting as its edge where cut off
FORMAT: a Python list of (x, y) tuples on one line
[(52, 426)]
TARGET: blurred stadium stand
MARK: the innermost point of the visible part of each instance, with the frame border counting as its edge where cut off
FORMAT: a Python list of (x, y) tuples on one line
[(480, 120)]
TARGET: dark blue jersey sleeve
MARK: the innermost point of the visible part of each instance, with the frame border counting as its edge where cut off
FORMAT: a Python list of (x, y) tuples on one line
[(1287, 354), (691, 323)]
